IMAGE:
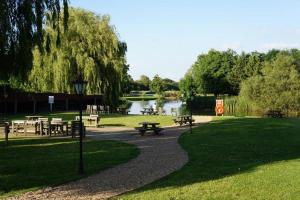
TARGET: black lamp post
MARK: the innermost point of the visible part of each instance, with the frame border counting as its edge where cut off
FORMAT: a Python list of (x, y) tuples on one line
[(80, 87), (5, 102), (191, 106), (191, 112)]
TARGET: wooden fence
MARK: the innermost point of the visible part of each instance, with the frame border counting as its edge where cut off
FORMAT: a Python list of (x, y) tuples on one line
[(21, 102)]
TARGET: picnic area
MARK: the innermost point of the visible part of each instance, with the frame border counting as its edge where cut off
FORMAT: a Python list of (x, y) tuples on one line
[(166, 100)]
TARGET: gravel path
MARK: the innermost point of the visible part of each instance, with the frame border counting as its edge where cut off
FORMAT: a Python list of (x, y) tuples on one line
[(159, 156)]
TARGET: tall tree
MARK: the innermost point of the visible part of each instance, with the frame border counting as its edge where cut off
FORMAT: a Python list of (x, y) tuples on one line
[(144, 82), (170, 84), (210, 72), (157, 85), (21, 27), (91, 45)]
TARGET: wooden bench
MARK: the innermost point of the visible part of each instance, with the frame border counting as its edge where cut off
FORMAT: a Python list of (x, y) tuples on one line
[(275, 114), (92, 119), (4, 128), (183, 120), (75, 129), (148, 126), (142, 130)]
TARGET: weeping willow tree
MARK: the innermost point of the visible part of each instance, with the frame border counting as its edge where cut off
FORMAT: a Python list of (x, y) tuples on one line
[(21, 28), (90, 46)]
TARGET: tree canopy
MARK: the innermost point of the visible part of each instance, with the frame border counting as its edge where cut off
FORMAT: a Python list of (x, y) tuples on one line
[(144, 83), (222, 72), (91, 46), (264, 80), (157, 85), (21, 28), (278, 87)]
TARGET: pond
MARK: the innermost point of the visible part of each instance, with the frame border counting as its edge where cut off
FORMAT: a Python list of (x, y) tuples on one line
[(137, 106)]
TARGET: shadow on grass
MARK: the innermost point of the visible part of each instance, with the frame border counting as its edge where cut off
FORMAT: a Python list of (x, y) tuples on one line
[(233, 146), (28, 164)]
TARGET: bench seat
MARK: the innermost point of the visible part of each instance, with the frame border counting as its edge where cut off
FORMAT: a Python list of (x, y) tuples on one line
[(142, 130)]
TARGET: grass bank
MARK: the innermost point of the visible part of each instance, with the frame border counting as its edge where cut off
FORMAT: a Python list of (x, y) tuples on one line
[(30, 164), (235, 158)]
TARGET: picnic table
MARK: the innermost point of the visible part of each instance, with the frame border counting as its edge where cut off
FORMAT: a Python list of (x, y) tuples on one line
[(17, 125), (57, 127), (123, 111), (183, 119), (90, 119), (149, 111), (275, 114), (4, 127), (149, 126)]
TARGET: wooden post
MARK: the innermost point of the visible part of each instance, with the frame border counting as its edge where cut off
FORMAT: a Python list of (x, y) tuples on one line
[(15, 106), (6, 130), (67, 104), (34, 106)]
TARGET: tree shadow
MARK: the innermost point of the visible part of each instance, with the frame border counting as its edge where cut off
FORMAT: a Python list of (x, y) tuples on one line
[(233, 146), (28, 164)]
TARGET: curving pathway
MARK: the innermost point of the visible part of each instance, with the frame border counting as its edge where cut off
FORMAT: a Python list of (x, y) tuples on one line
[(159, 156)]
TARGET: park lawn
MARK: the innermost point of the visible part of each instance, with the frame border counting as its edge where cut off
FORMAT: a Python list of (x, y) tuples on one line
[(108, 120), (30, 164), (235, 158), (134, 120)]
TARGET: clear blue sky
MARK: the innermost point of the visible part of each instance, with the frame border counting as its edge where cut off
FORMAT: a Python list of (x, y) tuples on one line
[(165, 36)]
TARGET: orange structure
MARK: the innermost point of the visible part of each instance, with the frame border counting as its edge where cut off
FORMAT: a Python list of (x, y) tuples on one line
[(219, 107)]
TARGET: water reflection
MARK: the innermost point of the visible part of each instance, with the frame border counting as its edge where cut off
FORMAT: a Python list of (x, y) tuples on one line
[(137, 106)]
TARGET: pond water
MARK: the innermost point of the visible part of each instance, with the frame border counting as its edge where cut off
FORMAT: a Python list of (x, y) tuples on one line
[(137, 106)]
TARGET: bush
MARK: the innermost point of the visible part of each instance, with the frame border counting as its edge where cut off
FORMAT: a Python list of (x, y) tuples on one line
[(276, 89)]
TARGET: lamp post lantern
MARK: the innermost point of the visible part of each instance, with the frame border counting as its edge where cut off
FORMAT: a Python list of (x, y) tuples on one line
[(80, 85)]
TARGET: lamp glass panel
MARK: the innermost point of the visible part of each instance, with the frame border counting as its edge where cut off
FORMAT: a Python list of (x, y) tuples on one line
[(78, 88)]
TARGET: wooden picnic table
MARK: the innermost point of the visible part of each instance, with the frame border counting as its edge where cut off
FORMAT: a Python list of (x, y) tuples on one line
[(90, 119), (275, 114), (183, 119), (149, 126), (57, 126), (123, 111), (149, 111), (17, 125)]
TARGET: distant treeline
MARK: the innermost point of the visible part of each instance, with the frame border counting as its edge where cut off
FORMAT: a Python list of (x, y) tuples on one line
[(157, 84), (262, 81)]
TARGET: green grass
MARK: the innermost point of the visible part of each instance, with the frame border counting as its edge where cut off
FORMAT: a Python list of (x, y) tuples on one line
[(30, 164), (235, 158), (134, 120), (108, 120)]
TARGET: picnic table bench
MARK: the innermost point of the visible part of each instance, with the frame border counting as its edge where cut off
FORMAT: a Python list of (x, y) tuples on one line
[(123, 111), (275, 114), (92, 119), (149, 111), (183, 119), (4, 127), (149, 126)]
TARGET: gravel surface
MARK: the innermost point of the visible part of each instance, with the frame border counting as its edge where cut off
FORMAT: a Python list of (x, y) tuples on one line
[(159, 156)]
